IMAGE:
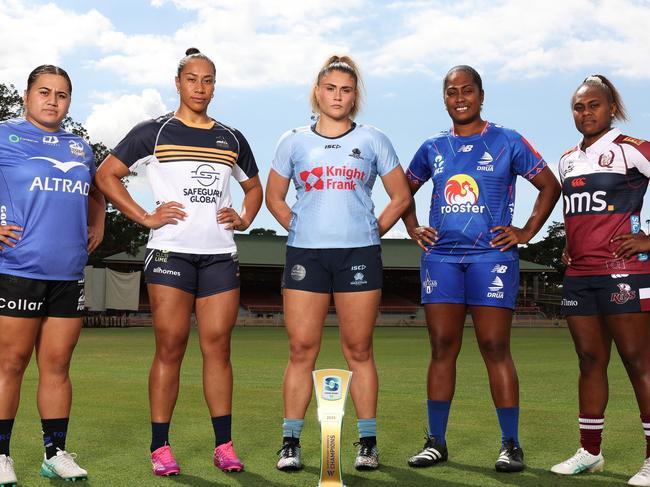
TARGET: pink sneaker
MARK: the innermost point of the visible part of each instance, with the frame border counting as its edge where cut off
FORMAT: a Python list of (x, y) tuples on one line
[(163, 462), (226, 459)]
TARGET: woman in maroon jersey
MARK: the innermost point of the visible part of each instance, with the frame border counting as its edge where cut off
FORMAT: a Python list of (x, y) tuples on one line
[(606, 292)]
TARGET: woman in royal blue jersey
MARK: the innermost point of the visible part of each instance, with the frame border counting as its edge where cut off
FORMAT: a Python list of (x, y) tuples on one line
[(333, 246), (606, 292), (46, 189), (470, 261), (191, 260)]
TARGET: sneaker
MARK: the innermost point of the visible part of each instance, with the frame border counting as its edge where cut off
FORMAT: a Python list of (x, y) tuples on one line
[(63, 466), (163, 462), (7, 474), (580, 462), (432, 453), (226, 459), (289, 455), (367, 455), (511, 458), (642, 477)]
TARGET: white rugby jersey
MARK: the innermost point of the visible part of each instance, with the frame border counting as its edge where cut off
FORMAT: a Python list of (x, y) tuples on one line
[(603, 188), (191, 164)]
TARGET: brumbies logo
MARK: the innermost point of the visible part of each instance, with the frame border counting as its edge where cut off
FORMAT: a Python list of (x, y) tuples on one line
[(624, 294)]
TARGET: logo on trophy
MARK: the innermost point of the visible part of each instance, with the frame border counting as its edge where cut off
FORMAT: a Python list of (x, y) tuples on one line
[(332, 386)]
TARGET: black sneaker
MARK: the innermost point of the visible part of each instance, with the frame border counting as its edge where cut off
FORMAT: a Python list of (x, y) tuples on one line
[(432, 453), (367, 455), (511, 458), (289, 455)]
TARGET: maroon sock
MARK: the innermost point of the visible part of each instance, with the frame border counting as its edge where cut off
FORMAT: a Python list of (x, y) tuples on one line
[(591, 432), (645, 421)]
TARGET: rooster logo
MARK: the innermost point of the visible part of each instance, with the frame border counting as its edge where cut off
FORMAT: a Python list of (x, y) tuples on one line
[(461, 189)]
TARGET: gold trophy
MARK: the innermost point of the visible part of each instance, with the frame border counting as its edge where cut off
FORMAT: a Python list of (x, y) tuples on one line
[(332, 387)]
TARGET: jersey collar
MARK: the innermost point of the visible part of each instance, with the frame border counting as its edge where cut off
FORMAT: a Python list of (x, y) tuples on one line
[(601, 144), (481, 134), (352, 127)]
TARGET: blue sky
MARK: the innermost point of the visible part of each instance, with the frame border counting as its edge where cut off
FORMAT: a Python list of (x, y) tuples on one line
[(122, 57)]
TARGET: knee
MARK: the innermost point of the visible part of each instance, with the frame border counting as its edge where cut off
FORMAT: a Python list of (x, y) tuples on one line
[(358, 352), (591, 362), (444, 348), (13, 365), (216, 346), (170, 351), (495, 350), (302, 352), (637, 362)]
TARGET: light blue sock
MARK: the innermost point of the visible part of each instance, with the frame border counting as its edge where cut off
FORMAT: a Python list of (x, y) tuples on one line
[(291, 428), (367, 427), (509, 422), (438, 412)]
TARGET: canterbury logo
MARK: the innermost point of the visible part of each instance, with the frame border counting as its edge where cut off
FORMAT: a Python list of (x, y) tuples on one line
[(61, 166), (578, 182)]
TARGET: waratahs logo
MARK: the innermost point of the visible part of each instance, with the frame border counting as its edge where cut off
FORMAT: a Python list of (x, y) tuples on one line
[(312, 179), (461, 195)]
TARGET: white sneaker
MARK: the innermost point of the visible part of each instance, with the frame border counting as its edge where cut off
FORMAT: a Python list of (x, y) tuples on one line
[(63, 466), (7, 474), (580, 462), (642, 477)]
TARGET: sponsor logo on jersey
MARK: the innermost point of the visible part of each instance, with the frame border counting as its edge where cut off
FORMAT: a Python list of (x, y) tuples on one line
[(61, 166), (586, 202), (360, 267), (438, 165), (632, 140), (206, 175), (569, 302), (499, 269), (428, 284), (222, 142), (161, 256), (298, 272), (166, 272), (81, 302), (332, 146), (3, 215), (485, 163), (77, 148), (578, 182), (624, 294), (466, 148), (13, 138), (356, 153), (606, 159), (312, 178), (495, 288), (619, 276), (20, 304), (50, 139), (59, 185), (359, 279), (461, 195), (202, 195), (334, 177)]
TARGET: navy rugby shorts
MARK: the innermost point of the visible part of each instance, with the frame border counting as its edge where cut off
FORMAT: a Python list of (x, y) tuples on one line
[(198, 274), (605, 295)]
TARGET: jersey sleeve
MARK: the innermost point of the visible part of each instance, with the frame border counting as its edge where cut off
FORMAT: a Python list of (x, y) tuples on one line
[(638, 152), (90, 159), (387, 159), (138, 144), (526, 161), (420, 169), (282, 163), (245, 167)]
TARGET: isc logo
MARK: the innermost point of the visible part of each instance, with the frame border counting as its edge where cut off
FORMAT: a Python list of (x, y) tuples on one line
[(585, 202)]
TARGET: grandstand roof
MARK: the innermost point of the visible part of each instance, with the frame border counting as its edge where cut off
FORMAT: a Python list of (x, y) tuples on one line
[(269, 251)]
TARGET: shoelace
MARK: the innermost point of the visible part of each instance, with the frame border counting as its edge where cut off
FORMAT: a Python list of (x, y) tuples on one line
[(165, 457), (227, 454), (288, 450), (365, 449), (645, 469), (67, 459), (6, 463)]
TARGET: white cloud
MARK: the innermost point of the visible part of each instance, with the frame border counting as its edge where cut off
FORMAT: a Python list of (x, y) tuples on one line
[(109, 122)]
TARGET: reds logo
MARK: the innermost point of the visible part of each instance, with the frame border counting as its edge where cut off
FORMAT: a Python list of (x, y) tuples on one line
[(606, 160), (312, 179), (578, 182), (624, 295), (461, 189)]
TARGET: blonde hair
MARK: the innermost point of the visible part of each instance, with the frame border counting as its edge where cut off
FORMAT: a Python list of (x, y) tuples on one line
[(344, 64)]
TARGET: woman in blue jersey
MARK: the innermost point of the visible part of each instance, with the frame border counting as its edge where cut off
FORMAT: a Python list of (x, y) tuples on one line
[(470, 260), (333, 246), (46, 189), (191, 259)]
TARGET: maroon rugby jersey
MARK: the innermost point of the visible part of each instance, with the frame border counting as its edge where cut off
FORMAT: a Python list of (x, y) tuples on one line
[(602, 188)]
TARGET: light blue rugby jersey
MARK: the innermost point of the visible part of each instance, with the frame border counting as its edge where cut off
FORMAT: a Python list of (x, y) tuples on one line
[(44, 182), (334, 179), (473, 189)]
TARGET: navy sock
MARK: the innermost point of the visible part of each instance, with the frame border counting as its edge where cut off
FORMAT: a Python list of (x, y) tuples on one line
[(292, 428), (54, 433), (438, 418), (222, 426), (6, 425), (509, 422), (159, 435)]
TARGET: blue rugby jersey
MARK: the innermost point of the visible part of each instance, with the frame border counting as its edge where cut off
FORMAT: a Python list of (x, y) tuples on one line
[(45, 178), (334, 177), (473, 189)]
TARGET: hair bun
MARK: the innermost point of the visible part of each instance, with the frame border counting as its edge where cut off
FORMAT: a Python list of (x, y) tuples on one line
[(192, 50)]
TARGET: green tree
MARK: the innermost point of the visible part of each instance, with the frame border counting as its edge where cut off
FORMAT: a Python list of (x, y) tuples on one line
[(548, 251), (11, 103), (262, 231)]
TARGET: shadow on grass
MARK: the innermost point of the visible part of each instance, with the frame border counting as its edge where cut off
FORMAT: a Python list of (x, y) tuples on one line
[(244, 478)]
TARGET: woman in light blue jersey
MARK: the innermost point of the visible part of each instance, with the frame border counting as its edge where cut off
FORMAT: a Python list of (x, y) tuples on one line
[(470, 261), (333, 246), (46, 190)]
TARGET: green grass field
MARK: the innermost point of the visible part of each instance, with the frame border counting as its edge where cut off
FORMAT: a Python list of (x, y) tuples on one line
[(110, 422)]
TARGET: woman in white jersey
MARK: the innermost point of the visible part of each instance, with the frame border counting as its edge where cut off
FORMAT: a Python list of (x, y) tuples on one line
[(191, 258), (333, 246)]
